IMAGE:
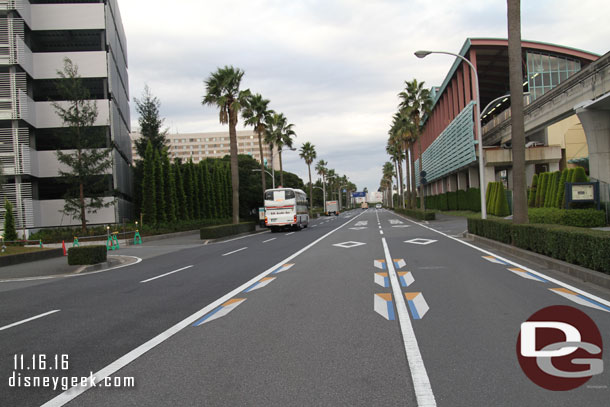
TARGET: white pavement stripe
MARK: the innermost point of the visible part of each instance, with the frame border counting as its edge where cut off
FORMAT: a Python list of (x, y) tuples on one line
[(268, 240), (288, 234), (421, 382), (381, 232), (235, 251), (126, 359), (549, 279), (28, 319), (166, 274)]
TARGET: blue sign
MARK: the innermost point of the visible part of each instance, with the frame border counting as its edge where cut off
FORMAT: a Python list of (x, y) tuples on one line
[(358, 194)]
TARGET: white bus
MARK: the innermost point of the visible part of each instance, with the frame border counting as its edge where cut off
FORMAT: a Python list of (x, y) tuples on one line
[(286, 208)]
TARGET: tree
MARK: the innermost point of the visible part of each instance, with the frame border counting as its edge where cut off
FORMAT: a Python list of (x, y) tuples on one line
[(169, 183), (531, 201), (86, 161), (559, 199), (187, 180), (404, 131), (515, 74), (322, 170), (149, 199), (150, 123), (159, 189), (308, 153), (257, 114), (182, 208), (417, 103), (222, 91), (10, 232), (279, 133)]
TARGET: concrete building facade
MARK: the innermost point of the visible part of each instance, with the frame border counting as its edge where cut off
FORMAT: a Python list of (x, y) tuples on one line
[(449, 138), (200, 146), (35, 38)]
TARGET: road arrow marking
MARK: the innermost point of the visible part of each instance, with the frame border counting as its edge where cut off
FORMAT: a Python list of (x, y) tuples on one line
[(380, 264), (495, 260), (382, 279), (417, 304), (526, 274), (283, 267), (221, 311), (399, 263), (395, 222), (580, 299), (384, 306), (420, 241), (349, 245), (260, 284), (405, 278)]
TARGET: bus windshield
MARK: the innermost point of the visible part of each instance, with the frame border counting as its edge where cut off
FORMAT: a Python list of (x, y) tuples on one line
[(279, 195)]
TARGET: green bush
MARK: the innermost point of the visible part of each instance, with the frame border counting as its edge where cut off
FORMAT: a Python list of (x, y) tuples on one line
[(452, 203), (543, 186), (501, 208), (561, 188), (474, 199), (215, 232), (585, 218), (587, 248), (551, 192), (86, 255), (462, 200), (579, 175), (10, 233), (421, 215)]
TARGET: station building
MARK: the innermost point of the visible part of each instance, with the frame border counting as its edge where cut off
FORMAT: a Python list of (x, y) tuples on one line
[(449, 153), (35, 38)]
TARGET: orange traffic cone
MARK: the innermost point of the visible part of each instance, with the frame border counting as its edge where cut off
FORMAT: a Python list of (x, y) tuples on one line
[(63, 246)]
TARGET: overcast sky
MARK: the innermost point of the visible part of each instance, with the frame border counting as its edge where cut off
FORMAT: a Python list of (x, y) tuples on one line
[(333, 67)]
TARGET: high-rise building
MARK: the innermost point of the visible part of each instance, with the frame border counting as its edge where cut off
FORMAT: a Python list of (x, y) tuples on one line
[(36, 36), (200, 146)]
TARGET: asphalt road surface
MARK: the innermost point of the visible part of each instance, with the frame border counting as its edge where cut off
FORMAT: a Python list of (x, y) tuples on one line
[(364, 309)]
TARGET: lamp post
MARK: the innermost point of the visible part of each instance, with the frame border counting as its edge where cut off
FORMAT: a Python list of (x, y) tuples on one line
[(272, 162), (423, 54), (323, 197)]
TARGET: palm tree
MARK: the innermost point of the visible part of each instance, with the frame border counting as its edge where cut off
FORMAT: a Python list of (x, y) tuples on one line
[(222, 91), (417, 103), (516, 101), (257, 114), (279, 133), (388, 174), (403, 127), (394, 149), (308, 153), (322, 170)]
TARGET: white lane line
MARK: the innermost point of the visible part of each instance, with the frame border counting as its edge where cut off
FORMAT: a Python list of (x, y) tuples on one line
[(242, 237), (126, 359), (288, 234), (381, 232), (549, 279), (314, 226), (268, 240), (28, 319), (166, 274), (421, 382), (235, 251)]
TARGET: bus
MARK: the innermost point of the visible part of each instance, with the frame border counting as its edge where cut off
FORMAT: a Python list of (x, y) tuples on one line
[(286, 208)]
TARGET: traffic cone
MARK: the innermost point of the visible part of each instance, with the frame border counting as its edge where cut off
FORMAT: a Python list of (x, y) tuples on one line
[(63, 246)]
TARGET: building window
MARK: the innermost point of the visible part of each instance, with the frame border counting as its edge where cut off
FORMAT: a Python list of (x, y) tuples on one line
[(546, 71)]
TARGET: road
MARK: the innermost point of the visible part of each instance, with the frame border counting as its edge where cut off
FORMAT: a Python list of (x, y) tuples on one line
[(363, 309)]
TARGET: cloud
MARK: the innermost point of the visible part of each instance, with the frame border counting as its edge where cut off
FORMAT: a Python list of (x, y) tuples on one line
[(332, 67)]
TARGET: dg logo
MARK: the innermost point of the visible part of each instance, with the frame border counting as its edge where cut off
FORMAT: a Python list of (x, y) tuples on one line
[(560, 348)]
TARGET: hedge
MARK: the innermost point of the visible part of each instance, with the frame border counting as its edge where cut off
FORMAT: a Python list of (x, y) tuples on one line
[(87, 254), (587, 248), (584, 218), (421, 215), (215, 232)]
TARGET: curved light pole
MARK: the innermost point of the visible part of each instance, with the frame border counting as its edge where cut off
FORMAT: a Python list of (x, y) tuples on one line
[(423, 54), (272, 163)]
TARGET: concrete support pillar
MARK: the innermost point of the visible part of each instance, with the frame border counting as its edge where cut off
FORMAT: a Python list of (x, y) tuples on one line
[(530, 170), (473, 177), (490, 174), (462, 180), (509, 178), (596, 124)]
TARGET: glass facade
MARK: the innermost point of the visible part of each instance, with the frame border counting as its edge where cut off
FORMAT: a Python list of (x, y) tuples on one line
[(545, 71)]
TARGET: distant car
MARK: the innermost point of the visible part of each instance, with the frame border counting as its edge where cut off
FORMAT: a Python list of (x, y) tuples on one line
[(378, 206)]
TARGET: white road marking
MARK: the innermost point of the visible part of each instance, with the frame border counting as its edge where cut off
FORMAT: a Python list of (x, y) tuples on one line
[(235, 251), (421, 382), (166, 274), (242, 237), (126, 359), (28, 319), (381, 232), (549, 279), (314, 226), (288, 234), (268, 240)]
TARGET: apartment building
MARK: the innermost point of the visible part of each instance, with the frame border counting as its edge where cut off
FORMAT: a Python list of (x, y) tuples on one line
[(199, 146), (35, 38)]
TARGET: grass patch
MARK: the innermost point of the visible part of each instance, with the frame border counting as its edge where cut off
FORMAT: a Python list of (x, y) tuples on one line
[(20, 250)]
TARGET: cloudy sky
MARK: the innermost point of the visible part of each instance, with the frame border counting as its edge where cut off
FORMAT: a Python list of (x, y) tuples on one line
[(333, 67)]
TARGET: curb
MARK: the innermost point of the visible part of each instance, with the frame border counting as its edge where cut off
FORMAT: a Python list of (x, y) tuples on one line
[(591, 276)]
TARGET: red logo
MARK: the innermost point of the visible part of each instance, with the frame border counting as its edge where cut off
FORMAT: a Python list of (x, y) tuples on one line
[(560, 348)]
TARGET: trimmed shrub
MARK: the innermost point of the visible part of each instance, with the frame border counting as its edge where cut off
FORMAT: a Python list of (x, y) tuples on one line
[(86, 255), (552, 190), (531, 199), (579, 175), (585, 218), (462, 200), (571, 175), (421, 215), (587, 248), (561, 189), (443, 202), (215, 232), (10, 233), (474, 199), (501, 208), (542, 195), (452, 202)]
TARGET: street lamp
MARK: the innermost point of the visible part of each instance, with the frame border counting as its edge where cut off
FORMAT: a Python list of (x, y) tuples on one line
[(423, 54), (273, 167)]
